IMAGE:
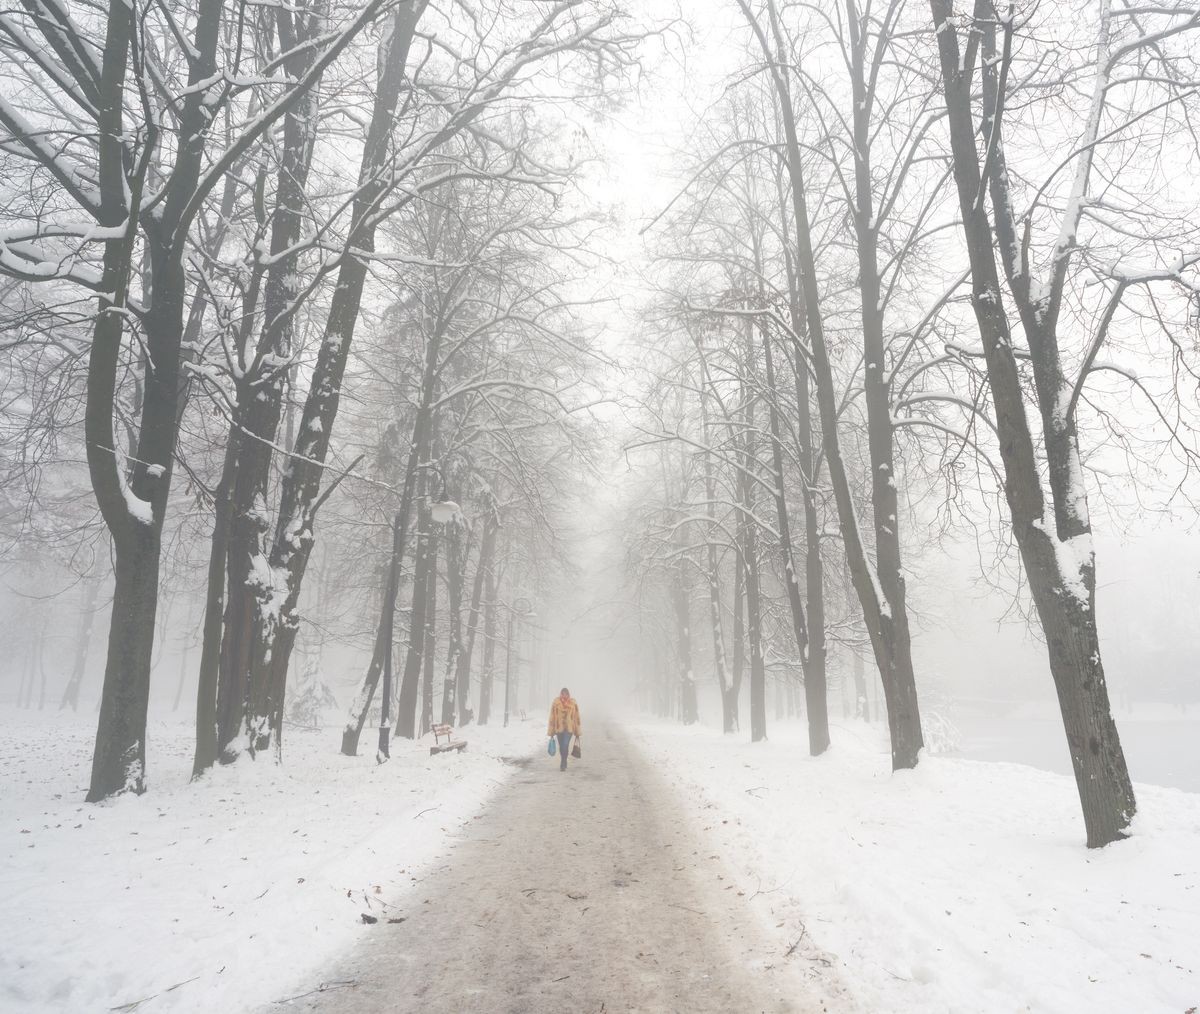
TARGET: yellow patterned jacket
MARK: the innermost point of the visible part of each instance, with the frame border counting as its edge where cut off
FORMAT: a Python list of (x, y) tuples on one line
[(564, 717)]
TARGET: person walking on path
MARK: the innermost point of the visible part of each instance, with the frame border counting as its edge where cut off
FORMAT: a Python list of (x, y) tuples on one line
[(564, 723)]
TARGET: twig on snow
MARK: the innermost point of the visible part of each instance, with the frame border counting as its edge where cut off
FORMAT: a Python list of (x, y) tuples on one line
[(325, 987), (135, 1004)]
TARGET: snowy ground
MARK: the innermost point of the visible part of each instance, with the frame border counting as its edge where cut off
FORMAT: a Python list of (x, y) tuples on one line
[(582, 891), (219, 895), (960, 886)]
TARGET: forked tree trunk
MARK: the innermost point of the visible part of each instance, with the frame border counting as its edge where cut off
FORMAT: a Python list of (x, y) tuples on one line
[(900, 686), (276, 618), (1057, 553)]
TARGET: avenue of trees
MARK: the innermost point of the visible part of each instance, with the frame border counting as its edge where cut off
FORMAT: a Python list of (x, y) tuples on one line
[(923, 260), (301, 342), (227, 225)]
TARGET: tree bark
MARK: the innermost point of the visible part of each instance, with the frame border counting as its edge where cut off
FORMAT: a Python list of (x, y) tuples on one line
[(904, 719), (275, 619), (1059, 560)]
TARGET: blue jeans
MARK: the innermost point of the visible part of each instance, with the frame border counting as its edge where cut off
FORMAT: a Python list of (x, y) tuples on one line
[(564, 744)]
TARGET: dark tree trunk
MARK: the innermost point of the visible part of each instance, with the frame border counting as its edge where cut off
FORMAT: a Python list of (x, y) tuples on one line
[(258, 409), (406, 718), (212, 731), (1063, 584), (119, 760), (900, 688), (903, 719)]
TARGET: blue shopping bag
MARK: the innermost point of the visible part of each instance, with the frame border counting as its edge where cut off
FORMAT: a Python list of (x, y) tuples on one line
[(550, 747)]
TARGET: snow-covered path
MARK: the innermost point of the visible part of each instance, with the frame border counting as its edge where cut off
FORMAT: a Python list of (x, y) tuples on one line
[(584, 891)]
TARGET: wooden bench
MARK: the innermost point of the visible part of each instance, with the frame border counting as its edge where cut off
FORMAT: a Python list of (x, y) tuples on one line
[(451, 744)]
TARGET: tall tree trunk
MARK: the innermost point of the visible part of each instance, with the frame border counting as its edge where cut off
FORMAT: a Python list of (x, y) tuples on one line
[(454, 583), (749, 529), (818, 709), (903, 722), (406, 718), (758, 677), (816, 692), (384, 635), (119, 759), (487, 544), (217, 719), (275, 617), (429, 639), (1057, 554), (904, 717), (258, 409)]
